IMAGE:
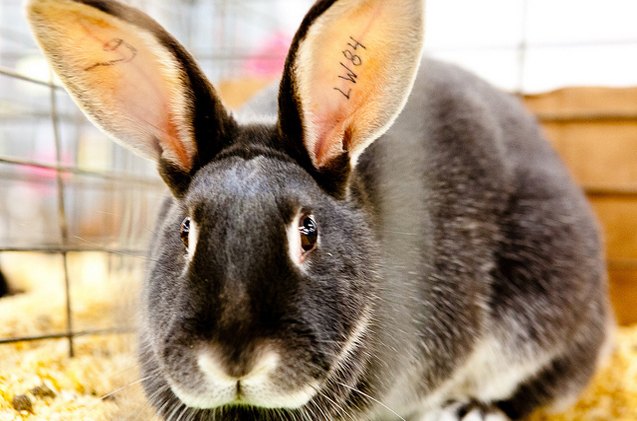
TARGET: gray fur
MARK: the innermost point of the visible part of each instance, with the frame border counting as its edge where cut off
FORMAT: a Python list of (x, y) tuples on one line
[(458, 272), (480, 230)]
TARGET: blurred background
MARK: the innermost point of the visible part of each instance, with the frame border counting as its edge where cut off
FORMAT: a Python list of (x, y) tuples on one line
[(76, 210)]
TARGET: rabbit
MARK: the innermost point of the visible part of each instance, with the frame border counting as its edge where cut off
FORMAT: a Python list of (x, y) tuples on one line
[(393, 239)]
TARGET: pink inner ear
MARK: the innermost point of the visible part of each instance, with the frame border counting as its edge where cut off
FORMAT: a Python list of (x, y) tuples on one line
[(172, 142), (324, 147), (141, 94), (329, 138), (353, 71), (145, 112)]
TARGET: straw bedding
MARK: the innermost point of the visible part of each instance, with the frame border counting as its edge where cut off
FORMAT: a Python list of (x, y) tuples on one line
[(38, 381)]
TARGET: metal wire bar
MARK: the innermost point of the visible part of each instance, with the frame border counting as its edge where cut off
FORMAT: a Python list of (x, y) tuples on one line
[(56, 249), (104, 175), (17, 114), (106, 331), (11, 73), (62, 220)]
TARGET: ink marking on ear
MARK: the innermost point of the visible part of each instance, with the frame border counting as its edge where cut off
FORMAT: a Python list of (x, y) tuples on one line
[(354, 60), (346, 95), (114, 45)]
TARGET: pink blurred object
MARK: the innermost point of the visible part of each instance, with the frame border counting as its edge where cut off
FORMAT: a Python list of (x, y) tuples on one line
[(268, 59), (39, 177)]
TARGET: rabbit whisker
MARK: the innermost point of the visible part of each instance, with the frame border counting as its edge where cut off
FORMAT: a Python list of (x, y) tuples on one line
[(341, 411), (126, 386), (353, 389)]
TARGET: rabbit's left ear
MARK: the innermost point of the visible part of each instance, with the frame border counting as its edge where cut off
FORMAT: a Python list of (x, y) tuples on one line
[(349, 72), (133, 80)]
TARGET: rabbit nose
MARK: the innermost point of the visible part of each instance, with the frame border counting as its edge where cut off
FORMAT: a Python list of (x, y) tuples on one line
[(230, 369)]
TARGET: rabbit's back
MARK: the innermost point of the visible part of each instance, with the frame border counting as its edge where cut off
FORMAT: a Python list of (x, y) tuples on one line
[(482, 225), (491, 257)]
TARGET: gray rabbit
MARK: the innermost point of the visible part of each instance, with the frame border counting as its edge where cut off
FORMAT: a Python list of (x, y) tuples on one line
[(361, 256)]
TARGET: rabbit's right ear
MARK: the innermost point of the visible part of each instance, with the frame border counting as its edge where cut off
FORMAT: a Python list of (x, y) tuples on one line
[(134, 81), (347, 76)]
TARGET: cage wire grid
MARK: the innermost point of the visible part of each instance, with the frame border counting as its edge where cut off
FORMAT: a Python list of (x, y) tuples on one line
[(213, 31), (122, 190)]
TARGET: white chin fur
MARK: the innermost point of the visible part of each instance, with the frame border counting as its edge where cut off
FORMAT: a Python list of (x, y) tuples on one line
[(257, 388), (205, 399)]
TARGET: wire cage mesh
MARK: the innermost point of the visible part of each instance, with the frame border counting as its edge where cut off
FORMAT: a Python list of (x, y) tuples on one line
[(76, 205)]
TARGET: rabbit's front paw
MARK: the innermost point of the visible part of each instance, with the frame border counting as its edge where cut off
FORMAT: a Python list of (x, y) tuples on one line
[(467, 411)]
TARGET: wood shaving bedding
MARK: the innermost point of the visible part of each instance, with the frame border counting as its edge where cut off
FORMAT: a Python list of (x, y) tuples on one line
[(93, 385), (38, 381)]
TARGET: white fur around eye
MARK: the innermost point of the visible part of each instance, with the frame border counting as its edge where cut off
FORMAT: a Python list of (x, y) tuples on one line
[(193, 235), (294, 241)]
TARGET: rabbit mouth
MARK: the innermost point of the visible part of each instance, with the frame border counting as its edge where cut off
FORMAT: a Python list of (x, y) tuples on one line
[(240, 394), (258, 388)]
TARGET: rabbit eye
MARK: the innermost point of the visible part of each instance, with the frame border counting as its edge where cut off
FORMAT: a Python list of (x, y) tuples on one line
[(309, 233), (185, 231)]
